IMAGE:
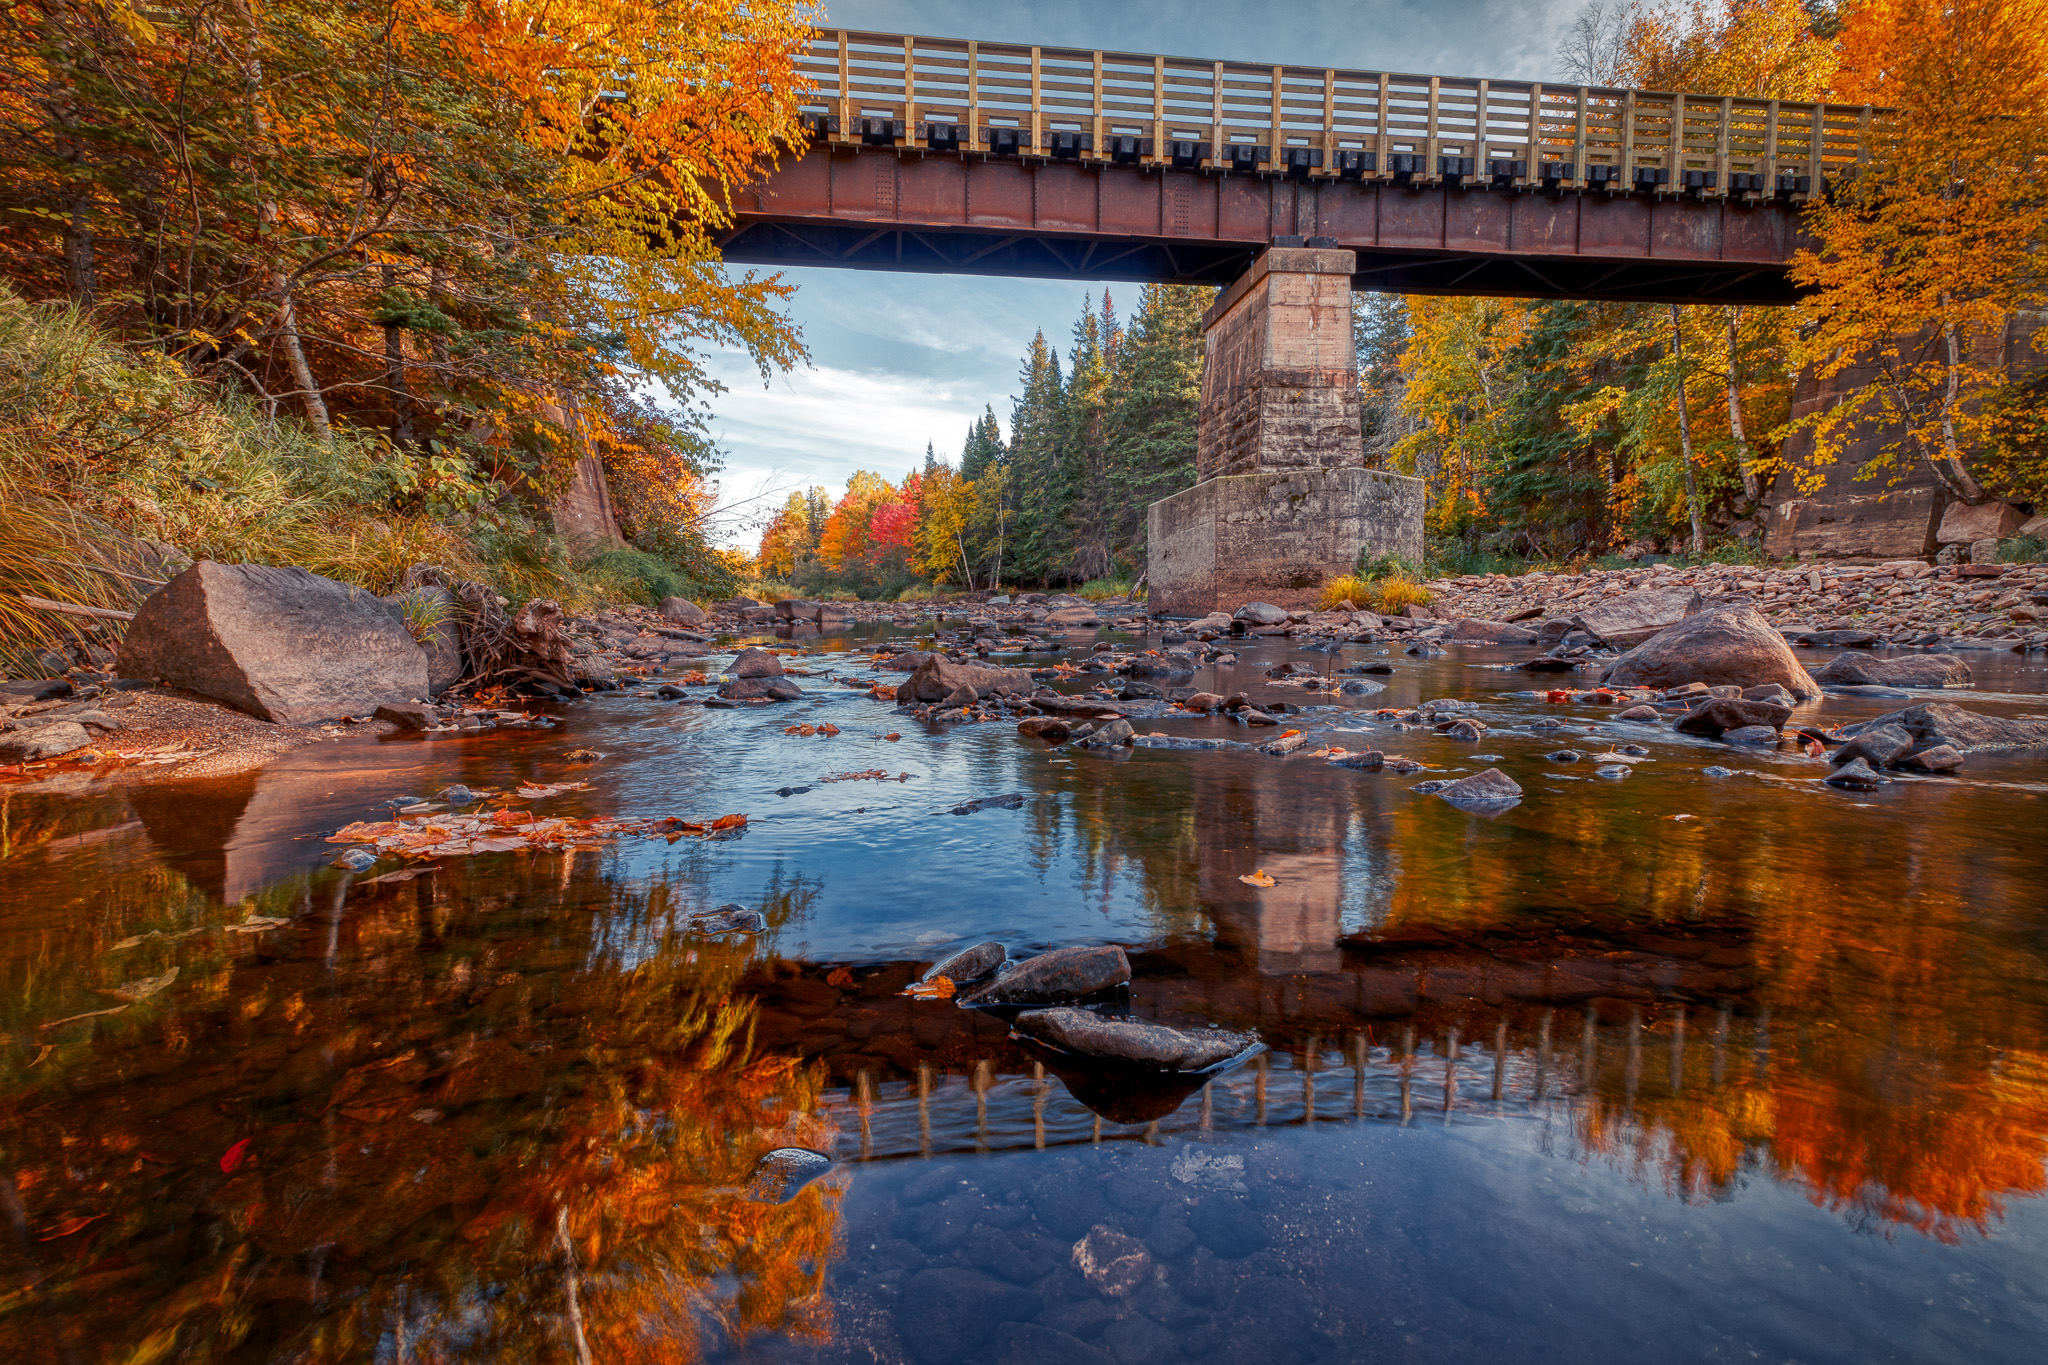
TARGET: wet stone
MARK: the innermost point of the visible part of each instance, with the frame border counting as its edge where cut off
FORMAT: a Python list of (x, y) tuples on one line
[(1050, 978), (729, 919), (969, 964), (780, 1175), (1856, 775), (1127, 1040), (1492, 788)]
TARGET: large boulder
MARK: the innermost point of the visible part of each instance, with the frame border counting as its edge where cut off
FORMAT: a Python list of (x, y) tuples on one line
[(1127, 1040), (755, 662), (938, 678), (1922, 670), (1963, 524), (797, 609), (1936, 723), (1262, 614), (760, 689), (1722, 646), (1489, 790), (682, 611), (279, 643), (1073, 616), (1634, 617)]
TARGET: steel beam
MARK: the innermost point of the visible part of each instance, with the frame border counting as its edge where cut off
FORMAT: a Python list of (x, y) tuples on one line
[(972, 214)]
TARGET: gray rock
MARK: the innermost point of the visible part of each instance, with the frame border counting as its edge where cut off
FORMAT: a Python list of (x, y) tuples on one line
[(1639, 713), (1717, 771), (1372, 760), (795, 609), (1921, 670), (755, 662), (1358, 687), (34, 689), (354, 860), (1490, 788), (780, 1175), (1750, 734), (1056, 977), (683, 611), (970, 964), (749, 689), (279, 643), (409, 716), (1116, 732), (458, 795), (1939, 759), (1856, 775), (1717, 715), (43, 742), (1073, 617), (1878, 745), (1770, 692), (1472, 631), (1565, 756), (1262, 614), (1837, 639), (1634, 617), (1612, 771), (1735, 646), (1128, 1040), (1938, 722), (938, 678)]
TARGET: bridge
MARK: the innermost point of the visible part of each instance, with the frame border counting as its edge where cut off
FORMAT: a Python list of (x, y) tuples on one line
[(962, 157)]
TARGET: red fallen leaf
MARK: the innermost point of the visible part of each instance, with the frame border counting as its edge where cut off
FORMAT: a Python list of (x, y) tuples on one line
[(234, 1156), (1557, 696), (729, 822), (892, 737), (842, 977)]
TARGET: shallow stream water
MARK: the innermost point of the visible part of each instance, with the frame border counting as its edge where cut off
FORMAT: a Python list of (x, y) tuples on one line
[(1676, 1066)]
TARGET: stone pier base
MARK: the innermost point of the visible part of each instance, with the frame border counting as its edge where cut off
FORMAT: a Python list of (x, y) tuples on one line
[(1275, 536)]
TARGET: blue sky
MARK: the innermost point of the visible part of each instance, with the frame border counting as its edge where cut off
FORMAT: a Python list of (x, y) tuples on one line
[(899, 360)]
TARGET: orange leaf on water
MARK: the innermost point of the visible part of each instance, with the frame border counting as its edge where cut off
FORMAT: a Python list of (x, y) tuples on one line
[(729, 822), (1258, 878), (938, 988)]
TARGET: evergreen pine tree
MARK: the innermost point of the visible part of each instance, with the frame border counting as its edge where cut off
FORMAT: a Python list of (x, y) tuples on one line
[(1156, 400), (1038, 532)]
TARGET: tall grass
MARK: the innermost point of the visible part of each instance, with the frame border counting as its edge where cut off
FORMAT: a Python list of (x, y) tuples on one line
[(108, 455), (1388, 593)]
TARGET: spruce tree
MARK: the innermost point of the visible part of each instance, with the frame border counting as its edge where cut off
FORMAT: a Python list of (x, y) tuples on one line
[(1153, 411)]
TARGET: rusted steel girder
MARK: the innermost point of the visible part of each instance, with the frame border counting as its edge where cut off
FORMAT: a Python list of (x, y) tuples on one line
[(971, 214)]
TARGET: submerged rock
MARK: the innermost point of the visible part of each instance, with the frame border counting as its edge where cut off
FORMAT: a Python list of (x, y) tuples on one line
[(779, 1176), (1052, 978), (1925, 670), (1725, 645), (1490, 788), (355, 860), (1128, 1040), (1938, 722), (1611, 770), (732, 918), (1115, 1264), (969, 964)]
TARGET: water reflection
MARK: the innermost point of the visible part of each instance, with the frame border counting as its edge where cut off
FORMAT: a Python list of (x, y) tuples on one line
[(506, 1106)]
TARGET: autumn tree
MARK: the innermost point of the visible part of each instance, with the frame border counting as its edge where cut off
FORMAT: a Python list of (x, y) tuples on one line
[(1936, 241)]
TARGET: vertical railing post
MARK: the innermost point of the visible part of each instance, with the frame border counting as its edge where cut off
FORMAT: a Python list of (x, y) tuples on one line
[(1276, 137), (1722, 143), (1628, 139), (845, 86), (909, 89), (1034, 99), (1771, 148), (1098, 147), (1579, 134), (973, 92), (1216, 114), (1534, 164), (1479, 117), (1159, 106), (1816, 150), (1383, 141), (1330, 121), (1432, 144), (1675, 161)]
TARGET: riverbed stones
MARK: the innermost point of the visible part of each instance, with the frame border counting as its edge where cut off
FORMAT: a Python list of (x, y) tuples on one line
[(1049, 728), (1878, 745), (1072, 618), (1717, 715), (1939, 759), (969, 964), (1107, 1038), (1109, 735), (729, 919), (1490, 789), (1262, 614), (1923, 670), (780, 1175), (939, 678), (755, 662), (1938, 722), (1371, 760), (41, 742), (1114, 1263), (282, 644), (683, 612), (1732, 646), (949, 1313), (1470, 630), (760, 689), (409, 715), (1062, 975), (1855, 775), (1646, 714)]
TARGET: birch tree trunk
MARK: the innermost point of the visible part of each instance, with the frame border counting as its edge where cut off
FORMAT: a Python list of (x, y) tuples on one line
[(1692, 486), (1956, 476), (1751, 489)]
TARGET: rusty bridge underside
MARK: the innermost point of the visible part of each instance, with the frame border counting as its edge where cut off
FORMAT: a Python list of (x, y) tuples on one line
[(945, 155), (966, 213)]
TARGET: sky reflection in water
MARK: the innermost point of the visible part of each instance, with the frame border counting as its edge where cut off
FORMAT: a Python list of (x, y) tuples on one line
[(1576, 1081)]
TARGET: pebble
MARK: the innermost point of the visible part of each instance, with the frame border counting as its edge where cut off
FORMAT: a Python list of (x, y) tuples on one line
[(1611, 770)]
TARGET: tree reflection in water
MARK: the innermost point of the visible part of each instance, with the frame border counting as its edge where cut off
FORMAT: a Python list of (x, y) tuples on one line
[(508, 1118)]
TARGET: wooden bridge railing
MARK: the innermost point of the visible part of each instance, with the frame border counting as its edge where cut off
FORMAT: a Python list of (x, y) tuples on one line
[(949, 95)]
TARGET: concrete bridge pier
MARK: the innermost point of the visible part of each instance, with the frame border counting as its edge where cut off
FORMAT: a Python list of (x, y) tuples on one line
[(1283, 500)]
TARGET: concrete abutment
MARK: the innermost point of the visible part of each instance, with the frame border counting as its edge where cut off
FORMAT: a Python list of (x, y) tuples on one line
[(1283, 499)]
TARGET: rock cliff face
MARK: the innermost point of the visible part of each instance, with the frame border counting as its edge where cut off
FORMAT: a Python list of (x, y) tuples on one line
[(1895, 513)]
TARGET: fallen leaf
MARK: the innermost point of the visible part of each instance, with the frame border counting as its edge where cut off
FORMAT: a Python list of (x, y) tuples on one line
[(234, 1155), (1258, 878), (729, 822), (892, 737), (68, 1226), (842, 977), (828, 729), (144, 988), (938, 988)]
